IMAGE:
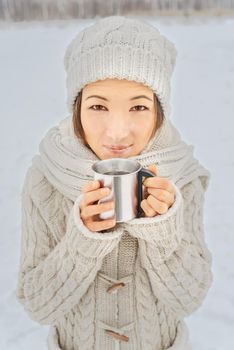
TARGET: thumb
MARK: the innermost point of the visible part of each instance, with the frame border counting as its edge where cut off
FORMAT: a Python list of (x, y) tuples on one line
[(153, 168)]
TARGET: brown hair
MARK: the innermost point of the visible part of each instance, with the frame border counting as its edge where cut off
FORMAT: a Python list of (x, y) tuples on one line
[(76, 117)]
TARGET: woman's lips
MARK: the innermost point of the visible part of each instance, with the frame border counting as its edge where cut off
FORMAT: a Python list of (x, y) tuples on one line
[(118, 150)]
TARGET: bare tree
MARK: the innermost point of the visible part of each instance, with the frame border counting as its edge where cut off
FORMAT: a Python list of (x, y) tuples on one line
[(19, 10)]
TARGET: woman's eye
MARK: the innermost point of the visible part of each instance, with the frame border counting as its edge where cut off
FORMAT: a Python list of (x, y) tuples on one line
[(140, 109), (100, 107), (96, 109)]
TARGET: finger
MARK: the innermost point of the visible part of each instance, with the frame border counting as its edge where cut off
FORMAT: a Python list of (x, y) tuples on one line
[(153, 168), (90, 186), (93, 196), (92, 210), (101, 225), (162, 195), (159, 206), (148, 210), (159, 182)]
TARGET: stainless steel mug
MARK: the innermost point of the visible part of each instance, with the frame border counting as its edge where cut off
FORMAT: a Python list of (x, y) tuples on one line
[(124, 178)]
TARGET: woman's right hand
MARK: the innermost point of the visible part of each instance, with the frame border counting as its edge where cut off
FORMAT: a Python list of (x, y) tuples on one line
[(89, 210)]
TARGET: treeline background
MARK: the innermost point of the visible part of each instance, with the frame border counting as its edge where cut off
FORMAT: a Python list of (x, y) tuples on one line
[(26, 10)]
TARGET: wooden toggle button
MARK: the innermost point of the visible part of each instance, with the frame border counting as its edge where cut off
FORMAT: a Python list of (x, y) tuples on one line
[(115, 287), (117, 335)]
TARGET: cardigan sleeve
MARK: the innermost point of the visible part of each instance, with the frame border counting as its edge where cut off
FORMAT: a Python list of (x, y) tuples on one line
[(174, 253), (52, 277)]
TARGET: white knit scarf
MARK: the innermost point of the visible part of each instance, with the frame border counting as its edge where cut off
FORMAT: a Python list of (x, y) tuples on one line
[(66, 162)]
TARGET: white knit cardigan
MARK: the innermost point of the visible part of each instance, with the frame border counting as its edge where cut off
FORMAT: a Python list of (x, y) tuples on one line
[(161, 265)]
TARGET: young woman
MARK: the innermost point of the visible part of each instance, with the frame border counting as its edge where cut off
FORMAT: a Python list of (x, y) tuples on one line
[(100, 284)]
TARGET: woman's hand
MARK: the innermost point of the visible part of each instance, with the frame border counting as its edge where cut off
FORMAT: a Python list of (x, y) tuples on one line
[(89, 210), (161, 194)]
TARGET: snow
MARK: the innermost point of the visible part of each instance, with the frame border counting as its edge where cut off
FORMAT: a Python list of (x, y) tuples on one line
[(33, 98)]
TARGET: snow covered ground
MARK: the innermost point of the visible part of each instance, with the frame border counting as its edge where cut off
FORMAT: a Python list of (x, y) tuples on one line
[(33, 98)]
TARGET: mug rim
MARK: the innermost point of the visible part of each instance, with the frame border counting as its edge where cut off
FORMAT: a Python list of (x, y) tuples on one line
[(103, 161)]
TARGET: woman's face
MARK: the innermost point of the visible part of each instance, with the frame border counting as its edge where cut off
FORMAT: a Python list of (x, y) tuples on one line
[(117, 114)]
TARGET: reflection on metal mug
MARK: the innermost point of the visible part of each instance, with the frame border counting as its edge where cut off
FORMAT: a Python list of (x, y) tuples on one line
[(124, 178)]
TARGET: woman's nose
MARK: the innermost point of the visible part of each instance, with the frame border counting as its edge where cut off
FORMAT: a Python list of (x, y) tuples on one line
[(118, 123), (117, 128)]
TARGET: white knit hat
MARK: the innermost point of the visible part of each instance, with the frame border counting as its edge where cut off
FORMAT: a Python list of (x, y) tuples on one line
[(123, 48)]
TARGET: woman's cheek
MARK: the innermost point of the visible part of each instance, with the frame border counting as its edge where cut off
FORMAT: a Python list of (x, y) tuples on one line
[(91, 124)]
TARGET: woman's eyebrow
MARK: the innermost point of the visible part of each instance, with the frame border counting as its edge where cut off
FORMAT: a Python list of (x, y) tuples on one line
[(132, 98), (141, 96)]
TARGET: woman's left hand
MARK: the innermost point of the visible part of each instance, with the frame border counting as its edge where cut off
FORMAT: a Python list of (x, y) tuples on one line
[(161, 194)]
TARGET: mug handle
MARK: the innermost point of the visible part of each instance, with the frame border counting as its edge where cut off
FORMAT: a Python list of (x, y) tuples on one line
[(146, 173)]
